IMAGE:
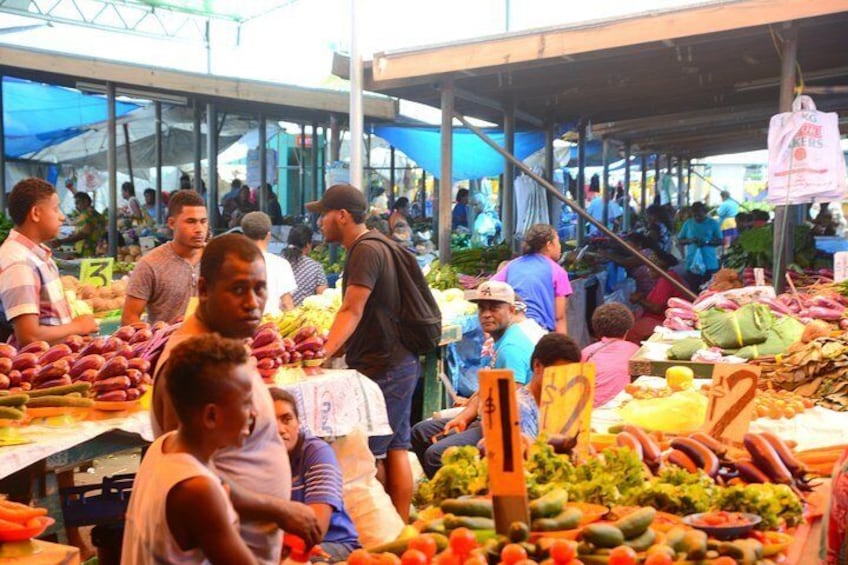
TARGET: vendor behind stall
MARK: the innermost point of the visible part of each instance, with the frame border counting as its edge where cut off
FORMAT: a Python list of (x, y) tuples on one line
[(654, 303), (701, 235), (32, 301), (90, 227), (316, 479)]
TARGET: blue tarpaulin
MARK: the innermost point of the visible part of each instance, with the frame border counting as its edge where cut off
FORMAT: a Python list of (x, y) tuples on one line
[(37, 115), (472, 158)]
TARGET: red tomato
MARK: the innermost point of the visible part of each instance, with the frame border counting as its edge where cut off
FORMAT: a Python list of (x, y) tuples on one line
[(563, 551), (659, 559), (410, 557), (513, 553), (462, 541), (447, 557), (361, 557), (388, 559), (476, 560), (425, 543), (622, 555)]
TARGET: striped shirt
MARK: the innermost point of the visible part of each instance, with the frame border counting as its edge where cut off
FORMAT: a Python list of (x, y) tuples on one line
[(309, 275), (30, 283), (316, 479)]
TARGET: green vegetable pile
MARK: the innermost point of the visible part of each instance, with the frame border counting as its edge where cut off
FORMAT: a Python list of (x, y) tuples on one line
[(754, 248), (321, 253), (480, 260), (5, 227), (616, 477), (460, 240), (441, 277)]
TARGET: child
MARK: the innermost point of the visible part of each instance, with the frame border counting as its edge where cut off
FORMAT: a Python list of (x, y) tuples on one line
[(179, 511)]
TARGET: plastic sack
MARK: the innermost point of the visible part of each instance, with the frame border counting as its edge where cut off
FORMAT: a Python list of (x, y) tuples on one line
[(784, 333), (748, 325), (366, 502), (682, 412), (805, 157), (697, 266)]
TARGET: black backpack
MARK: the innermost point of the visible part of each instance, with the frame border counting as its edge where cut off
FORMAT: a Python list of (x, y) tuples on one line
[(419, 320)]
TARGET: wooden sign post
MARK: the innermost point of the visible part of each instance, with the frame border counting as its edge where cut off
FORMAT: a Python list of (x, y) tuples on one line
[(731, 402), (565, 406), (96, 272), (503, 448)]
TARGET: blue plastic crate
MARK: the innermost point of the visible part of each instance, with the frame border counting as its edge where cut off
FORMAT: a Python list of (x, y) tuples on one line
[(97, 504)]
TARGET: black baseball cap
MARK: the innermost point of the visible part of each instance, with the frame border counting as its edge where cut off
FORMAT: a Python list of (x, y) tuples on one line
[(340, 197)]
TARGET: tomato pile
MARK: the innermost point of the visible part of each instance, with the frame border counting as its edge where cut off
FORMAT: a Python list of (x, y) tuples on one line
[(722, 518), (777, 404)]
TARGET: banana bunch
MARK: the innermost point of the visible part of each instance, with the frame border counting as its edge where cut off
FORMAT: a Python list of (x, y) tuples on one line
[(287, 322)]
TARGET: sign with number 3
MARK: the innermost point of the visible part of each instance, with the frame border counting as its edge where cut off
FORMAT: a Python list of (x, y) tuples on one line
[(97, 272)]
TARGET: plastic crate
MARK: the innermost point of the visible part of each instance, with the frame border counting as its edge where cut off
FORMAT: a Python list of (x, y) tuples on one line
[(102, 503)]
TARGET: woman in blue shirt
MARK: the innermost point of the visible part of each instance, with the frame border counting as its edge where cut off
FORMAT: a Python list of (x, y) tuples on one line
[(700, 234)]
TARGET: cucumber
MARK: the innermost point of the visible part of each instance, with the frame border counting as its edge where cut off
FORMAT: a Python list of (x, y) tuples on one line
[(434, 526), (398, 547), (468, 507), (643, 542), (635, 524), (568, 519), (695, 544), (54, 401), (674, 538), (9, 413), (603, 535), (59, 390), (471, 522), (518, 532), (14, 399), (549, 505)]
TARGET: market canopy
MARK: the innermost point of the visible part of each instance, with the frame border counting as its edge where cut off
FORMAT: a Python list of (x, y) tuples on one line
[(37, 115)]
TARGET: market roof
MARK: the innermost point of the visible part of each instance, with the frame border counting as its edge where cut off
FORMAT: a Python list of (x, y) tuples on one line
[(691, 81), (236, 10), (240, 96)]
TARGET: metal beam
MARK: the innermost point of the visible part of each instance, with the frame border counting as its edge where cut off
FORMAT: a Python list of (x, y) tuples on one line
[(158, 141), (509, 175), (2, 154), (112, 160), (581, 181), (680, 199), (443, 198), (263, 162), (212, 165), (605, 188), (314, 162), (198, 149), (627, 148), (643, 202), (574, 206)]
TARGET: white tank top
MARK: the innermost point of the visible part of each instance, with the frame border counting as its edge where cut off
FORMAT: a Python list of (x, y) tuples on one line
[(260, 465), (147, 537)]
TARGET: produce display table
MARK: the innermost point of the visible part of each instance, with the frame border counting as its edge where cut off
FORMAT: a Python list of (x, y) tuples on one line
[(38, 552), (651, 358), (433, 367)]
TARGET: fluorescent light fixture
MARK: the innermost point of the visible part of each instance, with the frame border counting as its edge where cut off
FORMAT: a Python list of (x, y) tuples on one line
[(134, 93)]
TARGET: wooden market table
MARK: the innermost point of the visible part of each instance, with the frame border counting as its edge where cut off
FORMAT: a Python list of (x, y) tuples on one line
[(38, 552)]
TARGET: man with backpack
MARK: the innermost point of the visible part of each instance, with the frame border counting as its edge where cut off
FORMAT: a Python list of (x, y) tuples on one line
[(382, 300)]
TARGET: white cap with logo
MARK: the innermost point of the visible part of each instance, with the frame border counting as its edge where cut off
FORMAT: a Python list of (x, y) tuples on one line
[(495, 291)]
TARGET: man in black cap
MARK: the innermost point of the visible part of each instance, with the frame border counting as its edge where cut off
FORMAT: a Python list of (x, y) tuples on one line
[(365, 329)]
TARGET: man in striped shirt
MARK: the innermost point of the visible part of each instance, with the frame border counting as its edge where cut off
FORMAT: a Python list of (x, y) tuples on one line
[(32, 301), (316, 479)]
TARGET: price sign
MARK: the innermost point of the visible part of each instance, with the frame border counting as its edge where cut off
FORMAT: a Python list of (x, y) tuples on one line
[(759, 276), (731, 402), (97, 272), (565, 406), (503, 448), (840, 266)]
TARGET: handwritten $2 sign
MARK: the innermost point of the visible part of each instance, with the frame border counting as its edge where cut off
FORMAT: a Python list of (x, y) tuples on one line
[(565, 406), (97, 272), (731, 402), (503, 448)]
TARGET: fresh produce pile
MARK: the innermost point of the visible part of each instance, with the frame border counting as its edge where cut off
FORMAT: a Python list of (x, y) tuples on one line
[(321, 253), (755, 248), (441, 277), (19, 522), (100, 300), (129, 254), (817, 370), (80, 370), (777, 404), (476, 260), (272, 349)]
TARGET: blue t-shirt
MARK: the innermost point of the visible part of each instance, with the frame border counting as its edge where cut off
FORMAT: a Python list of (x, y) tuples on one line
[(513, 351), (596, 210), (316, 479), (528, 412), (703, 232), (539, 282), (728, 209), (459, 217)]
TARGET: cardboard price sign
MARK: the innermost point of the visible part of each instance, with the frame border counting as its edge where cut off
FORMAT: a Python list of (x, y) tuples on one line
[(565, 406), (503, 448), (731, 402), (96, 272)]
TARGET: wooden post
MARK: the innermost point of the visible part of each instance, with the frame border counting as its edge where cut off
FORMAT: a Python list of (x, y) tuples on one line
[(605, 188), (680, 200), (262, 134), (784, 216), (301, 171), (509, 174), (392, 179), (688, 181), (128, 152), (626, 204), (335, 139), (581, 181), (2, 154), (198, 145), (314, 153), (446, 173), (159, 213), (112, 160), (212, 164), (549, 170), (657, 166), (643, 202)]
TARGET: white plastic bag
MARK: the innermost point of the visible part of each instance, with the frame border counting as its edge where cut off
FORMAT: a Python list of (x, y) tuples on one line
[(698, 266), (805, 159)]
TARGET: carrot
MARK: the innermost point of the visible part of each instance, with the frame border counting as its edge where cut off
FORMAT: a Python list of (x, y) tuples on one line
[(17, 512), (7, 526)]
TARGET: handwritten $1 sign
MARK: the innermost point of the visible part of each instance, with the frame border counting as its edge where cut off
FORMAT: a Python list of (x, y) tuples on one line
[(503, 448), (731, 402), (565, 406), (97, 272)]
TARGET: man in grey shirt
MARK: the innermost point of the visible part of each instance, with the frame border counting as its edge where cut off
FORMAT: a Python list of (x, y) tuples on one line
[(165, 279)]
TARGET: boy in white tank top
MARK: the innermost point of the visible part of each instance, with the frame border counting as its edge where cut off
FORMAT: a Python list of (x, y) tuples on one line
[(179, 511)]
